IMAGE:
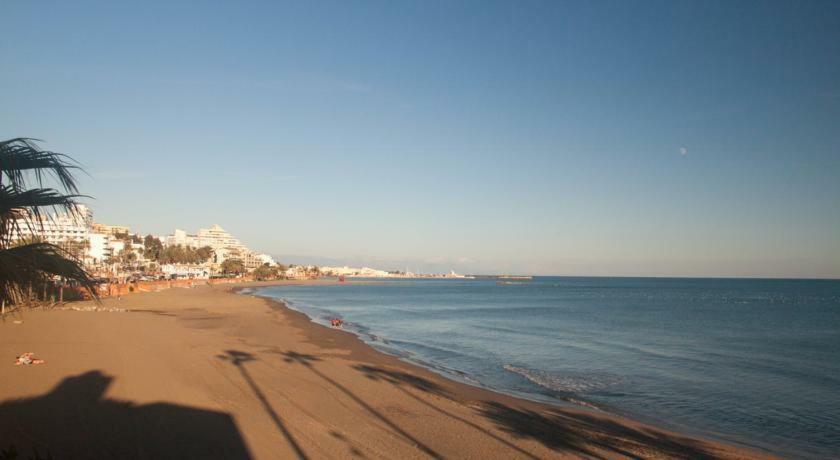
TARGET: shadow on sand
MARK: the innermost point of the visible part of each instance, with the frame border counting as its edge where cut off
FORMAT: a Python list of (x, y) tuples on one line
[(308, 360), (238, 359), (575, 433), (75, 420), (581, 433), (403, 380)]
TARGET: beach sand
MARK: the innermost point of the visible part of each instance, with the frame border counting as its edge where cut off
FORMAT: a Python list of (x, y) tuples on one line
[(208, 373)]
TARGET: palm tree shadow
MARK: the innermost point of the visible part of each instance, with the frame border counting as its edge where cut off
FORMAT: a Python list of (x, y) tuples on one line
[(351, 448), (577, 433), (400, 380), (299, 358), (75, 420), (238, 359), (581, 433), (307, 360)]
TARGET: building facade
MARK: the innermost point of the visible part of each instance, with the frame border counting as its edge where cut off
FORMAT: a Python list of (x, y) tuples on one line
[(225, 246)]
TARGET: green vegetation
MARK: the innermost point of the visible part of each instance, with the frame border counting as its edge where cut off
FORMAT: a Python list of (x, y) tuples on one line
[(152, 248), (185, 255), (126, 255), (265, 271), (233, 267), (128, 238), (24, 197)]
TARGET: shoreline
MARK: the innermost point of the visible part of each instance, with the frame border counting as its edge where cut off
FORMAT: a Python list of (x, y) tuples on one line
[(465, 384), (452, 375), (208, 372), (446, 373)]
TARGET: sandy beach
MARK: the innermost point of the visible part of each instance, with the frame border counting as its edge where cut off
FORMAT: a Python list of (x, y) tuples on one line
[(209, 373)]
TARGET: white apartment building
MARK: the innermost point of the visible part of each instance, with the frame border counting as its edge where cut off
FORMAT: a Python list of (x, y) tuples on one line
[(58, 227), (109, 229), (266, 259), (224, 245), (99, 249), (185, 271), (181, 238), (364, 272), (76, 226), (100, 243)]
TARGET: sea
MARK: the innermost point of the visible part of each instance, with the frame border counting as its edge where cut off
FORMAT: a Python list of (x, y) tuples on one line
[(754, 362)]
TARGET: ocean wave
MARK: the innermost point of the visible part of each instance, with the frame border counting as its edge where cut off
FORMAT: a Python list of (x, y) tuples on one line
[(583, 403), (567, 384), (431, 351)]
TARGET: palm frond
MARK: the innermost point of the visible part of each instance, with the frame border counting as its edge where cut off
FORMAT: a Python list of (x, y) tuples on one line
[(12, 199), (23, 209), (28, 263), (39, 262), (21, 155)]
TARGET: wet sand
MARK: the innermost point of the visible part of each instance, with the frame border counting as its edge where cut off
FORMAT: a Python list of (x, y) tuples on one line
[(208, 373)]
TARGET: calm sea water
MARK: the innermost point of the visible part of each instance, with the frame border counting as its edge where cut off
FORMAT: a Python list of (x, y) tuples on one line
[(750, 361)]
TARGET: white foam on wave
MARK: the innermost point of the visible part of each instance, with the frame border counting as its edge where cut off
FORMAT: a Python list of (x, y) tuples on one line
[(583, 403), (575, 384)]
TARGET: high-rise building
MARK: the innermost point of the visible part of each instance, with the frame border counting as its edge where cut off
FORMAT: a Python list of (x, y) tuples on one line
[(225, 246), (73, 225)]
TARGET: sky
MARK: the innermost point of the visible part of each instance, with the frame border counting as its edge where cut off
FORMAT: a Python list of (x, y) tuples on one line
[(626, 138)]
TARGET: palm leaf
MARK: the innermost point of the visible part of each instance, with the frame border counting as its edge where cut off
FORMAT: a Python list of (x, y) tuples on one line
[(12, 199), (21, 155), (21, 209), (35, 262)]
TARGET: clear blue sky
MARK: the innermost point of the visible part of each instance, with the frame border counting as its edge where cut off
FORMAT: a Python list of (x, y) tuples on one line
[(604, 138)]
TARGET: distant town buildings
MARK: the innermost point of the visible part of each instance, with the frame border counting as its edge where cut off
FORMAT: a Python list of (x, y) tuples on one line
[(366, 272), (112, 250), (109, 229), (225, 246), (56, 228), (363, 272), (70, 230), (185, 271), (102, 247)]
